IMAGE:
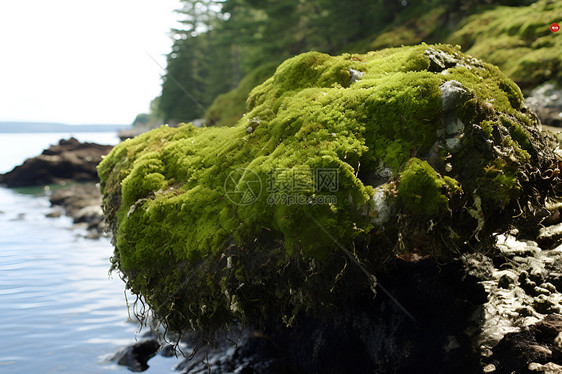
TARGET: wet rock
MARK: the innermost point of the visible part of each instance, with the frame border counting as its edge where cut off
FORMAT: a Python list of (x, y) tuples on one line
[(521, 324), (253, 353), (68, 161), (136, 356), (82, 202), (168, 350)]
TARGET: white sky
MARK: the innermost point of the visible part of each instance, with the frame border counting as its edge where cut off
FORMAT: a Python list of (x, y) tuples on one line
[(79, 61)]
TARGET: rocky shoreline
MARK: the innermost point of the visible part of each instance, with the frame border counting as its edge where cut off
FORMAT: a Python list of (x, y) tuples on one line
[(81, 202), (495, 313), (69, 161), (499, 312), (70, 168)]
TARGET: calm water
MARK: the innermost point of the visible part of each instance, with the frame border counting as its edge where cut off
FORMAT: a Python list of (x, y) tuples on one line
[(59, 310)]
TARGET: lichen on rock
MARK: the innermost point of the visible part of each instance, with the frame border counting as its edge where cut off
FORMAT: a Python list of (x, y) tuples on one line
[(351, 161)]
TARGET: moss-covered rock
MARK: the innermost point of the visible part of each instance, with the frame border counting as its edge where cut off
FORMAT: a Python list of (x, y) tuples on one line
[(518, 40), (341, 164)]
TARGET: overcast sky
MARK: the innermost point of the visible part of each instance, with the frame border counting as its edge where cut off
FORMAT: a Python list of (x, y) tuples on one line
[(79, 61)]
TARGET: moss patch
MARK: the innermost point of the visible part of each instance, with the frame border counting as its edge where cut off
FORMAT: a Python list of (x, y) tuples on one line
[(518, 40), (340, 160), (229, 107)]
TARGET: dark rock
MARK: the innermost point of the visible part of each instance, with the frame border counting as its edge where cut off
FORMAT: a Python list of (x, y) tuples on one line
[(440, 319), (136, 356), (254, 353), (372, 335), (68, 161), (533, 344), (554, 218), (505, 281)]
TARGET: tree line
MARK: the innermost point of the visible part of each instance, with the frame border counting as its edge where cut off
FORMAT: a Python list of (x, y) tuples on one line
[(223, 41)]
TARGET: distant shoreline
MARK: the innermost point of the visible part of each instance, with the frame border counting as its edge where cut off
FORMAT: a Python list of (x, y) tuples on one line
[(38, 127)]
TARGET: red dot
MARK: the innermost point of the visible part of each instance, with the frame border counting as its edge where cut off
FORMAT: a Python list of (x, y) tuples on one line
[(554, 27)]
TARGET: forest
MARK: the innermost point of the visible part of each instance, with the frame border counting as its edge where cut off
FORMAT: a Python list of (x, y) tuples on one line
[(226, 47)]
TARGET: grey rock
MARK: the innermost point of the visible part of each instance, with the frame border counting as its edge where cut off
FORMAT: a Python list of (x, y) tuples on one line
[(82, 202), (452, 93), (440, 60), (546, 101), (355, 75), (88, 214)]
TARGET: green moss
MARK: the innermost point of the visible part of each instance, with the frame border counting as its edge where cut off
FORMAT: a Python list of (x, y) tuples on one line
[(421, 189), (517, 39), (228, 108), (423, 23), (256, 221)]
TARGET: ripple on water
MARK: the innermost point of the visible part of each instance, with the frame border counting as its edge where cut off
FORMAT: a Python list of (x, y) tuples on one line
[(59, 310)]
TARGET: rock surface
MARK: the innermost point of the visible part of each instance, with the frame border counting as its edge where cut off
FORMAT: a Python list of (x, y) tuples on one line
[(68, 161), (82, 202), (522, 317), (491, 313), (546, 101), (432, 154), (136, 356)]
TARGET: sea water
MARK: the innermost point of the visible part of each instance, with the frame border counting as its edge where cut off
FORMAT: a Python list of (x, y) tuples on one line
[(60, 310)]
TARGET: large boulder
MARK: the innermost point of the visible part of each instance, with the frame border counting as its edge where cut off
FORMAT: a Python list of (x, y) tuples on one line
[(341, 165), (68, 161)]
